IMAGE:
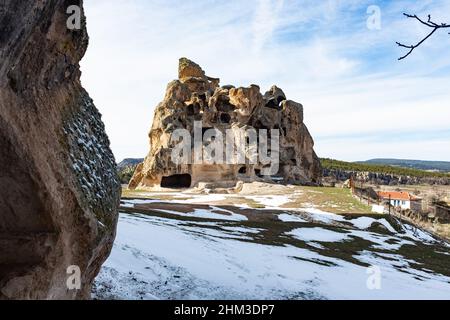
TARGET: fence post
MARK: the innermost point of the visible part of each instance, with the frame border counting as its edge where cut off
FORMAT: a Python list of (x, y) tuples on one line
[(389, 204)]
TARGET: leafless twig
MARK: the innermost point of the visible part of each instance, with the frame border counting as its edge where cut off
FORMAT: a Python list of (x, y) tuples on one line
[(429, 23)]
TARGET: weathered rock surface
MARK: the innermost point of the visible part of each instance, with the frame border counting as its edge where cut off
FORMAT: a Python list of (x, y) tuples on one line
[(59, 191), (196, 97), (126, 168), (334, 176)]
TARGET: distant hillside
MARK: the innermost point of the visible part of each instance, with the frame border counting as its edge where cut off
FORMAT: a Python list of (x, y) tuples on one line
[(129, 162), (126, 168), (344, 169), (442, 166), (330, 164)]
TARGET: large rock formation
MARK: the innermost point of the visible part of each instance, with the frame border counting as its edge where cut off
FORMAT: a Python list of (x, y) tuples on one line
[(59, 190), (196, 97)]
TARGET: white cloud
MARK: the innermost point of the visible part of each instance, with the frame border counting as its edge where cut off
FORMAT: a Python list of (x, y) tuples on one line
[(321, 54), (265, 21)]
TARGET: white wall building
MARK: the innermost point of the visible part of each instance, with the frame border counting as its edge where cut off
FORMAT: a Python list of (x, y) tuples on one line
[(403, 200)]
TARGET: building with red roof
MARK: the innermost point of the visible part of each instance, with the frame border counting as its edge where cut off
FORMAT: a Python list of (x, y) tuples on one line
[(401, 199)]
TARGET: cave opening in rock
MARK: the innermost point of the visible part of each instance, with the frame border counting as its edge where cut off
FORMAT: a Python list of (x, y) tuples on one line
[(274, 103), (224, 105), (280, 99), (190, 110), (225, 118), (258, 173), (202, 97), (193, 109), (177, 181), (243, 170)]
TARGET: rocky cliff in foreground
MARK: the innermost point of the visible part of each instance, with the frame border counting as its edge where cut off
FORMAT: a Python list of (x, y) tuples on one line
[(59, 190), (197, 97)]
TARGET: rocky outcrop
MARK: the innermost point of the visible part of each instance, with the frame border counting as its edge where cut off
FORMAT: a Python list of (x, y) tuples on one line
[(59, 190), (126, 168), (195, 97), (335, 175)]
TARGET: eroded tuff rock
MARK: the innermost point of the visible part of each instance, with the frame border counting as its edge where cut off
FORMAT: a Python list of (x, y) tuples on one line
[(59, 191), (196, 97)]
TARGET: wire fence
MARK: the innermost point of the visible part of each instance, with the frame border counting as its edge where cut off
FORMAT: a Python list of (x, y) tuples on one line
[(427, 216), (429, 211)]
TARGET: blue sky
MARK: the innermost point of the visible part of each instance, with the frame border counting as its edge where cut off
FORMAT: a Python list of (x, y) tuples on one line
[(359, 101)]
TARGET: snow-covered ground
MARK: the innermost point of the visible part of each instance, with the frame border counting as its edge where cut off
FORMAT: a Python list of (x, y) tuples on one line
[(223, 254)]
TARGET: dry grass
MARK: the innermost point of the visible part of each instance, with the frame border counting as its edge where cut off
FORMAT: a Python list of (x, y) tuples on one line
[(442, 229), (136, 194), (335, 200)]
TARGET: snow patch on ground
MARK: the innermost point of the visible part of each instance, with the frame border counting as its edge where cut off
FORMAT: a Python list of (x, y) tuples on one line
[(204, 198), (197, 213), (270, 201), (362, 222), (207, 214), (165, 258), (417, 234), (285, 217), (367, 222), (381, 241), (322, 216), (317, 234)]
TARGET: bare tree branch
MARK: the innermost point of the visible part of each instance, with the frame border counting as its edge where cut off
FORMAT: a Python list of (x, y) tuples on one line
[(429, 23)]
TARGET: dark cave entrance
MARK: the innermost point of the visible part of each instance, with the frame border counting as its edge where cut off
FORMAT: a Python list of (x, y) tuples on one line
[(275, 103), (193, 109), (177, 181), (224, 105), (225, 118), (243, 170)]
